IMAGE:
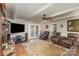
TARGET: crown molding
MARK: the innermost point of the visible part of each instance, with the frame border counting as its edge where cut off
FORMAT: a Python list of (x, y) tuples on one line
[(65, 17)]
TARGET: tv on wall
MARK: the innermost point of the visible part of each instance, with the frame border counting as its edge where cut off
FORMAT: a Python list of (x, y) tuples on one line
[(15, 28)]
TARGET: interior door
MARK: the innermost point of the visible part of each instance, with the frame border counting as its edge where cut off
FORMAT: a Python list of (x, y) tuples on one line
[(33, 31), (36, 31)]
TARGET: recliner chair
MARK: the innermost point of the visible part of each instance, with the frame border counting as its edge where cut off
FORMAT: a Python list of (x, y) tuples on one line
[(45, 35), (55, 37)]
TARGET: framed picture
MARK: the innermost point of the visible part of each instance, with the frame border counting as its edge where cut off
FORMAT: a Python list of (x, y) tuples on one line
[(61, 25), (73, 25)]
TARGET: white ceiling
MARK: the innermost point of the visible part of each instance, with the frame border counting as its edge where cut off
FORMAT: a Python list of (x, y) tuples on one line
[(35, 11)]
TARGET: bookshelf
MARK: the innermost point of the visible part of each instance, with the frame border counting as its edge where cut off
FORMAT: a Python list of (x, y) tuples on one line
[(8, 46)]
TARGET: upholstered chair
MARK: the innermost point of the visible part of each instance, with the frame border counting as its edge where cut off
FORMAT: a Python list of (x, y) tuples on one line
[(70, 40), (44, 35), (55, 37)]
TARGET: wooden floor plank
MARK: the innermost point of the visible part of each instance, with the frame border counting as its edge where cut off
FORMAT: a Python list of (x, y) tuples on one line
[(20, 51)]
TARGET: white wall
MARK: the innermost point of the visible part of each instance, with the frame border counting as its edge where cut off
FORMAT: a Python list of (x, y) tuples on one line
[(43, 26), (63, 30)]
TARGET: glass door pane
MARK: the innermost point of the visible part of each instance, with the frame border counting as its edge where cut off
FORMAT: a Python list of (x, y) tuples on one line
[(32, 30), (54, 27), (36, 30)]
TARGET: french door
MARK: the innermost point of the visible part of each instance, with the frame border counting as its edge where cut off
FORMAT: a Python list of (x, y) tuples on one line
[(33, 31)]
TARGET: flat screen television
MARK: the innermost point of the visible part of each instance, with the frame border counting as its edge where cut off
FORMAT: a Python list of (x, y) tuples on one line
[(15, 28)]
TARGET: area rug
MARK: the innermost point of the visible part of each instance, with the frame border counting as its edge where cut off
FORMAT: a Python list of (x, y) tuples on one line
[(43, 48)]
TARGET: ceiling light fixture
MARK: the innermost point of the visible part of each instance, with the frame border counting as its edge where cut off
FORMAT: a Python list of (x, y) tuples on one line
[(45, 18)]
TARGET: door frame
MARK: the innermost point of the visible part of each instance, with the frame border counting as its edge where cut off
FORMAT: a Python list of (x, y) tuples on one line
[(29, 37)]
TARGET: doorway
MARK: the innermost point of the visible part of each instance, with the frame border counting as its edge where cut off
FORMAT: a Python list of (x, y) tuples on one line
[(33, 31)]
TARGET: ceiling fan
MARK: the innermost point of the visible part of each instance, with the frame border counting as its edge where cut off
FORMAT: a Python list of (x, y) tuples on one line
[(46, 18)]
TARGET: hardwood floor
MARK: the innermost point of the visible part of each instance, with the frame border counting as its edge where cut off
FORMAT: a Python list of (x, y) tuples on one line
[(20, 51), (44, 48)]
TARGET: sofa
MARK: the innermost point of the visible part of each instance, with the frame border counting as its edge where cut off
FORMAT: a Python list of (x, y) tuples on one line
[(70, 40), (64, 41)]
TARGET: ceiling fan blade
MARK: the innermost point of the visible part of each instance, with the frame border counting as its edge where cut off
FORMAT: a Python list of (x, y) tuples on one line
[(49, 18)]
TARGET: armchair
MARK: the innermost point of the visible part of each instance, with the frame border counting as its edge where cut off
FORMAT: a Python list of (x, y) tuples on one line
[(55, 37), (44, 35)]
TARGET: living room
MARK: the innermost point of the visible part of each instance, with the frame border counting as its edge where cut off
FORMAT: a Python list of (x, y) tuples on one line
[(39, 29)]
